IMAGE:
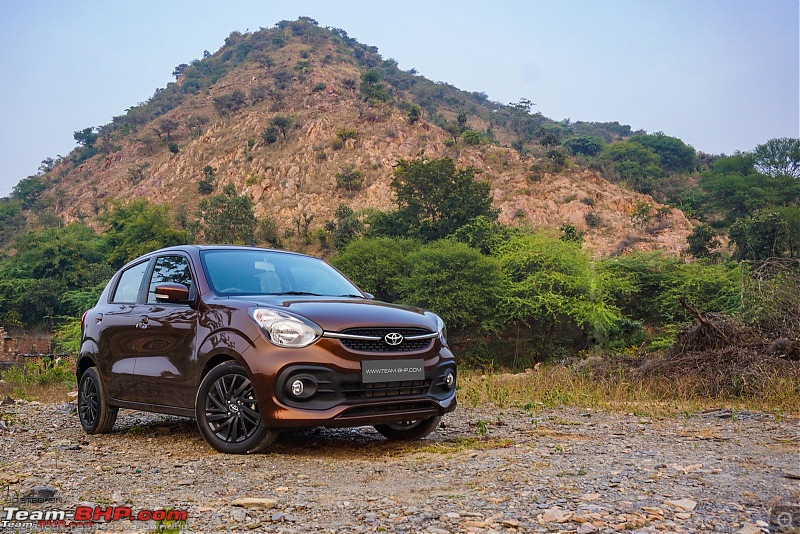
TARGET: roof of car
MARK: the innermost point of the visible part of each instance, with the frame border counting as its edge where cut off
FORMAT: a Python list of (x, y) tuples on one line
[(224, 247)]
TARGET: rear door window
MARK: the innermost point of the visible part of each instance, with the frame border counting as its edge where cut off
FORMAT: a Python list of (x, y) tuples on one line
[(130, 281)]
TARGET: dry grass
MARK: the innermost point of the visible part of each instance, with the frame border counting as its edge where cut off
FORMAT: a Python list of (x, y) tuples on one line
[(614, 387), (36, 392)]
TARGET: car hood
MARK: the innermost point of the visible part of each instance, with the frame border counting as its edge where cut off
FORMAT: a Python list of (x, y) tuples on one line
[(335, 315)]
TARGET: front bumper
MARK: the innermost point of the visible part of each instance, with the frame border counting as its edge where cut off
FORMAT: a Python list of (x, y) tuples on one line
[(340, 398)]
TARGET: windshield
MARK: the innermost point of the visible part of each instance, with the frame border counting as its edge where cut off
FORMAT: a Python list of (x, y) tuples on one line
[(261, 272)]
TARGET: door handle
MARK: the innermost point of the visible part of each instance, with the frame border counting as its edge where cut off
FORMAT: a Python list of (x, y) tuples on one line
[(143, 322)]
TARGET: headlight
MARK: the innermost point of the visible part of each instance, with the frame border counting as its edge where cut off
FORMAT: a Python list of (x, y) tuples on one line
[(440, 327), (285, 330)]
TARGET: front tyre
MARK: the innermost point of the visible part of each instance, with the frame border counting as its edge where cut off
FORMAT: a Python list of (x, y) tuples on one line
[(408, 430), (227, 412), (96, 416)]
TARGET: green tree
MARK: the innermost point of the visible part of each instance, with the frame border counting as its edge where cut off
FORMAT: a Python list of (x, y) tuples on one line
[(461, 121), (196, 123), (86, 137), (270, 134), (51, 270), (659, 281), (179, 70), (471, 137), (349, 179), (377, 265), (550, 282), (225, 218), (12, 220), (414, 113), (455, 281), (702, 241), (571, 234), (676, 156), (764, 235), (736, 189), (344, 227), (67, 255), (586, 145), (372, 90), (28, 191), (167, 127), (230, 103), (282, 123), (135, 228), (633, 163), (484, 234), (267, 232), (779, 157), (434, 199)]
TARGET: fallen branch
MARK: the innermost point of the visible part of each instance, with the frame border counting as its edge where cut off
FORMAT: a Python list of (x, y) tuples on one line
[(705, 322)]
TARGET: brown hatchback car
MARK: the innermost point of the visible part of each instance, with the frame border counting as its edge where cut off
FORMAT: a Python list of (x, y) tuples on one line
[(250, 341)]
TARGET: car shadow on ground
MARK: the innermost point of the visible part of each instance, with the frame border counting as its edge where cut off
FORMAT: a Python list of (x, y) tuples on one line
[(317, 441)]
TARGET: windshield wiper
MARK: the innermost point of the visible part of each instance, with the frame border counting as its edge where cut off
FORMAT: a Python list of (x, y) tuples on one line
[(306, 293)]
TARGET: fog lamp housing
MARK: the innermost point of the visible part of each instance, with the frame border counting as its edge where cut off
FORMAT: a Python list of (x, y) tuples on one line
[(450, 379), (301, 387)]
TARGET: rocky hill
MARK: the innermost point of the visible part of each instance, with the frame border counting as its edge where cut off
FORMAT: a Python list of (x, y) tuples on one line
[(281, 112)]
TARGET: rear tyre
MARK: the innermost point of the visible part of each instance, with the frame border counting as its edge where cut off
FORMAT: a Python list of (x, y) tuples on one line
[(96, 416), (227, 412), (408, 430)]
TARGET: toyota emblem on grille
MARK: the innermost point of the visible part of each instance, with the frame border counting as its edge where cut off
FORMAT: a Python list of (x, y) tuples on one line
[(393, 338)]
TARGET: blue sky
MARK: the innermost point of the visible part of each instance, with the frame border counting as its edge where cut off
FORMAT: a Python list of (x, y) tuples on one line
[(720, 74)]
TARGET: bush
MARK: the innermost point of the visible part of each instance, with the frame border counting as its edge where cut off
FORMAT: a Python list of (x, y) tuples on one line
[(587, 145), (346, 133), (230, 103), (377, 264), (471, 137), (43, 373), (552, 284), (270, 134), (67, 337), (456, 282), (592, 220), (205, 187), (349, 179)]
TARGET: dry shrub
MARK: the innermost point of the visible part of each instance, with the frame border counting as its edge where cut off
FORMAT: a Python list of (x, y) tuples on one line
[(771, 297), (723, 358)]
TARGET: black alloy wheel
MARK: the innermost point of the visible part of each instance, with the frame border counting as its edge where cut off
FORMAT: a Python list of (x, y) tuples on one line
[(96, 416), (227, 412)]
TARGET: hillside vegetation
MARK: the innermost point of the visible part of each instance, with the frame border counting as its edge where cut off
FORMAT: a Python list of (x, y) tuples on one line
[(533, 238)]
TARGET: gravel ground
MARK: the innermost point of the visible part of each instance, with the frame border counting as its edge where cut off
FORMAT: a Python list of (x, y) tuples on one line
[(485, 470)]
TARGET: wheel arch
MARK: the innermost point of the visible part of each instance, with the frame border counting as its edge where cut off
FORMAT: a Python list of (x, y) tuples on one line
[(216, 360), (84, 362)]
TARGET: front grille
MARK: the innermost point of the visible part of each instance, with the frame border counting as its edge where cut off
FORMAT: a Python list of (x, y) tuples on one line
[(380, 345), (356, 390)]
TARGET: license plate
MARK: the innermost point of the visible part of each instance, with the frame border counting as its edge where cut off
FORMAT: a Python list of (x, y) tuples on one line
[(392, 371)]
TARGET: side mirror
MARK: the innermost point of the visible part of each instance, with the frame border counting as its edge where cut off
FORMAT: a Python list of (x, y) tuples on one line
[(369, 296), (171, 292)]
